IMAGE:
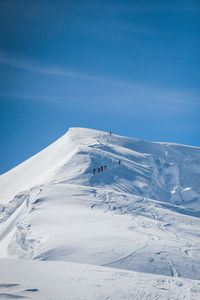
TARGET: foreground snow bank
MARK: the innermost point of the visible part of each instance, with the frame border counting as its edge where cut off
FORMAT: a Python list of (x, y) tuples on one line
[(64, 280)]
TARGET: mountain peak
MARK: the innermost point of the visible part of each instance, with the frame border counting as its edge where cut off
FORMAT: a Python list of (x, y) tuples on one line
[(160, 171), (99, 198)]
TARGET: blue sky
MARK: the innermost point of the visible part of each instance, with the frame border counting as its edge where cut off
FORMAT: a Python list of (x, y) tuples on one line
[(130, 67)]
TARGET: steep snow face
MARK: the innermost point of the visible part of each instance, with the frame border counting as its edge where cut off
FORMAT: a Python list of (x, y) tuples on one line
[(141, 214), (162, 171)]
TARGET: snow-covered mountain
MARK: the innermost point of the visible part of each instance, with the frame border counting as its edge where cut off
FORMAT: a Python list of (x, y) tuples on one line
[(140, 212)]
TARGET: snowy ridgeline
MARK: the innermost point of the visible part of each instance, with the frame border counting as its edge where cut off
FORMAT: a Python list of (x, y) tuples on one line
[(140, 212)]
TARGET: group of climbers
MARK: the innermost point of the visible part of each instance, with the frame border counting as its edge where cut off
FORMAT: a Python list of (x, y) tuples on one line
[(102, 168)]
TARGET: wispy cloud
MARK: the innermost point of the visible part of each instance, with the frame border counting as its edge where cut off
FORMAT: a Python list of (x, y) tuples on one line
[(157, 7), (130, 90), (30, 65)]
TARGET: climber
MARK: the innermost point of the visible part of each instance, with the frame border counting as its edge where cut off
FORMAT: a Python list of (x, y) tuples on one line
[(98, 170), (101, 168), (119, 162), (94, 170), (105, 167)]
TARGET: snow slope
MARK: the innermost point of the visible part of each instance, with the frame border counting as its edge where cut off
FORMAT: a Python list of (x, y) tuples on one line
[(141, 215), (64, 280)]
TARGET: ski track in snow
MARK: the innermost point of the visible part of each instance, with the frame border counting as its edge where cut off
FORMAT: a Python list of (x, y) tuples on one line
[(142, 215)]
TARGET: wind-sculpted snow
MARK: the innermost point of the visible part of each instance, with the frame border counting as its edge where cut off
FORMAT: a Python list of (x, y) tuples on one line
[(161, 171), (140, 212)]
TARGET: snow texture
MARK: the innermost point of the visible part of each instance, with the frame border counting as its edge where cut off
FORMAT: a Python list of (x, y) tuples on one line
[(129, 231)]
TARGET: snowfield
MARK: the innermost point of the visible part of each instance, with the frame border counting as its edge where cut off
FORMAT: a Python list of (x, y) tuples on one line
[(22, 279), (131, 231)]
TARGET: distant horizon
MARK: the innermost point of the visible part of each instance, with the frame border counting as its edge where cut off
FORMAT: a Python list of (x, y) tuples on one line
[(130, 67)]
